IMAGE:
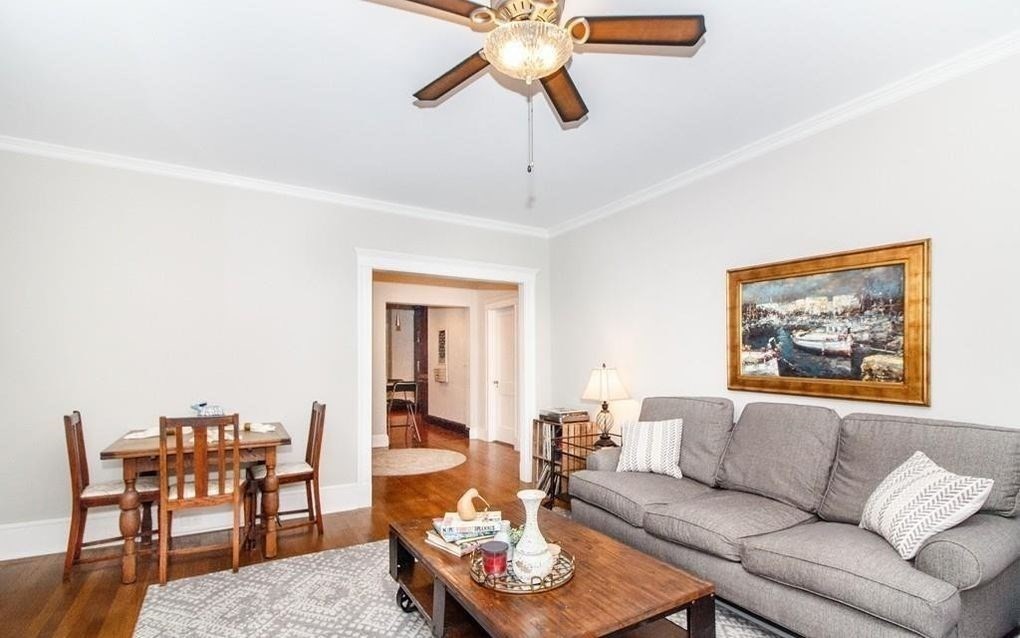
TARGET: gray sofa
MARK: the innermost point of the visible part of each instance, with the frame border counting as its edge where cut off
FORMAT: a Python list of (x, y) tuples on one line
[(768, 510)]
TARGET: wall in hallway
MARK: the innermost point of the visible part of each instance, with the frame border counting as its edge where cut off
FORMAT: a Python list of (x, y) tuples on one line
[(450, 399), (401, 346)]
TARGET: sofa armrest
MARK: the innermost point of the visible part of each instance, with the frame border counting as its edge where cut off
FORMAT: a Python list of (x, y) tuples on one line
[(973, 552), (605, 459)]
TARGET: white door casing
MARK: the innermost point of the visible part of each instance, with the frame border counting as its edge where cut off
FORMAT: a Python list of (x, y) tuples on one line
[(369, 260)]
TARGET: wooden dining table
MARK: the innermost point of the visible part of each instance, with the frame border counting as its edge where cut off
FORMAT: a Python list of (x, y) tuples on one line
[(142, 455)]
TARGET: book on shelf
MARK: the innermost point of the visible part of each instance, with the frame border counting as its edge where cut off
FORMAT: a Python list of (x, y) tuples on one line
[(563, 415), (459, 548)]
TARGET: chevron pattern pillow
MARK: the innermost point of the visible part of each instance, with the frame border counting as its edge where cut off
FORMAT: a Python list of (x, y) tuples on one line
[(920, 499), (652, 446)]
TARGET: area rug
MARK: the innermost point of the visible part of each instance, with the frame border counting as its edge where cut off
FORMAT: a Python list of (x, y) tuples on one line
[(418, 460), (338, 593)]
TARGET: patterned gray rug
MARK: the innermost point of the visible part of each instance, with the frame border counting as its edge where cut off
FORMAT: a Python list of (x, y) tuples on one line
[(338, 593)]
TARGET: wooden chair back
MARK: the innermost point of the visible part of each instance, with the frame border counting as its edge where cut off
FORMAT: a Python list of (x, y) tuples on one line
[(209, 459), (315, 427), (77, 458)]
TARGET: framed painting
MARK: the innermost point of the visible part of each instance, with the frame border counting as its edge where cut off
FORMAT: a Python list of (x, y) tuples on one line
[(852, 325)]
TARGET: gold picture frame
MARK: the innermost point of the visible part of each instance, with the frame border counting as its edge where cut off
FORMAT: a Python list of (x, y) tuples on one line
[(849, 325)]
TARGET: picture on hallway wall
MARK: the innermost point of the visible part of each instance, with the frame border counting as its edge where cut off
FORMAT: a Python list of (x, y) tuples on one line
[(851, 325)]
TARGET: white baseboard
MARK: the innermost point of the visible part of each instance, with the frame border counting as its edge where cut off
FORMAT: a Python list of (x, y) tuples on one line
[(35, 538), (380, 440)]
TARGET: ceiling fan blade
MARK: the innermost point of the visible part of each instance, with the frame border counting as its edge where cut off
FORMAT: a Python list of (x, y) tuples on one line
[(462, 8), (679, 31), (565, 97), (453, 78)]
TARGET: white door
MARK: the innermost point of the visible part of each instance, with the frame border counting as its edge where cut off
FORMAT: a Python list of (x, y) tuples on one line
[(503, 375)]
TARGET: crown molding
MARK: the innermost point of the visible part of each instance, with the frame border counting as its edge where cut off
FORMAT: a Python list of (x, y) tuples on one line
[(152, 167), (963, 64)]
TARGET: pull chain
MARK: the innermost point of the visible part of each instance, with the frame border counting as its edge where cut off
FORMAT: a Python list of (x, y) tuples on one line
[(531, 135)]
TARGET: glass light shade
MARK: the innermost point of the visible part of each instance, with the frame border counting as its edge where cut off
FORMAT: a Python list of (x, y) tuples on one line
[(528, 49), (605, 385)]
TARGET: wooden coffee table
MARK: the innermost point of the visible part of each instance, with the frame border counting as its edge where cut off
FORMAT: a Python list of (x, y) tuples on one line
[(616, 590)]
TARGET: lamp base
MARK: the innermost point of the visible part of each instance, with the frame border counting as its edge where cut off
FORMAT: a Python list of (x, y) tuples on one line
[(604, 420)]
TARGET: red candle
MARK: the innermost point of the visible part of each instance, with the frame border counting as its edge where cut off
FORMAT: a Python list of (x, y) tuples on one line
[(494, 558)]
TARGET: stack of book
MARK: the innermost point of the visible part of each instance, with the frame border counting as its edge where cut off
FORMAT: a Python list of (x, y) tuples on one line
[(459, 537)]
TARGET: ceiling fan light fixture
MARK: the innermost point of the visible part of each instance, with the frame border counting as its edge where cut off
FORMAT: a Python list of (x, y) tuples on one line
[(528, 49)]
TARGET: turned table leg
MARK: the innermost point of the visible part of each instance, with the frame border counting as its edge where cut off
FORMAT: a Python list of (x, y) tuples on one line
[(130, 520), (270, 502)]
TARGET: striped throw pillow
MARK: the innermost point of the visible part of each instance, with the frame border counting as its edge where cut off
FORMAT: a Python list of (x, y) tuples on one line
[(920, 499), (652, 446)]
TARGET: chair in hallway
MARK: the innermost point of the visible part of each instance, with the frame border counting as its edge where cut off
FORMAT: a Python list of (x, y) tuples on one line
[(215, 478), (85, 495), (404, 398), (306, 472)]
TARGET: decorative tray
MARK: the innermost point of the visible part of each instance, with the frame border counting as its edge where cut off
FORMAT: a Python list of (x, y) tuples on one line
[(562, 572)]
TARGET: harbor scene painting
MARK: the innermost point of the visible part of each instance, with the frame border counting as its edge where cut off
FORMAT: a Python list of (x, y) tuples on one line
[(851, 325), (839, 325)]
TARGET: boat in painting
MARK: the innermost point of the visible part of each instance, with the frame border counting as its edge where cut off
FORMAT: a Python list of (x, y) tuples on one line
[(827, 343)]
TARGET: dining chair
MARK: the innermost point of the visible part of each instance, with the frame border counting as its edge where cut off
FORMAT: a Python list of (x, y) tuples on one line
[(407, 402), (214, 478), (306, 472), (86, 495)]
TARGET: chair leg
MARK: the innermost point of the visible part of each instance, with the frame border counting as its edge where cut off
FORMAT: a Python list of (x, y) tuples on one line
[(73, 544), (81, 532), (147, 523), (318, 508), (308, 500), (164, 543), (247, 511), (412, 415), (235, 536), (169, 529)]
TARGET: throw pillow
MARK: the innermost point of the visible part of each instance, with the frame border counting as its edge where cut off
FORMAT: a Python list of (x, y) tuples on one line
[(652, 446), (920, 499)]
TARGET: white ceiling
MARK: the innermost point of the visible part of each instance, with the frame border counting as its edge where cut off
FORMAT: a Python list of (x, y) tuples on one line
[(317, 93)]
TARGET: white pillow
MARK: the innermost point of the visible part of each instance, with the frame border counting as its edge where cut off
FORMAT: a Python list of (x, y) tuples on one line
[(652, 446), (920, 499)]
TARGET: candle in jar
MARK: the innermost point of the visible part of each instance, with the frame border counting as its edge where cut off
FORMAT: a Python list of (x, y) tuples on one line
[(494, 558)]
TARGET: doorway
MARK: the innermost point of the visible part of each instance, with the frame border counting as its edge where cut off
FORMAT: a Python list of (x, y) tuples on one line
[(501, 348), (370, 357)]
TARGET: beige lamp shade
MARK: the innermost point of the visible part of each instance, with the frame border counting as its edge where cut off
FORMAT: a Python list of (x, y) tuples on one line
[(605, 385)]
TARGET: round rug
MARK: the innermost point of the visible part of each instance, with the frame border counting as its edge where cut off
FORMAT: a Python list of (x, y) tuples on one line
[(422, 460)]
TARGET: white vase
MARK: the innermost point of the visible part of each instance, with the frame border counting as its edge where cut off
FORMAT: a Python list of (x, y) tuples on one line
[(532, 558)]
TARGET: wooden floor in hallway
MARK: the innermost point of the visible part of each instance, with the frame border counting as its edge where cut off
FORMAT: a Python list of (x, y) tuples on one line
[(35, 602)]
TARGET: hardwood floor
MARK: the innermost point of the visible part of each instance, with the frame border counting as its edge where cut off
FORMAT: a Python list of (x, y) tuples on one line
[(35, 602)]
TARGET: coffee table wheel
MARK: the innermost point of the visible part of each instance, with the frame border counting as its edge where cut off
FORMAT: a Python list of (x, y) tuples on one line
[(404, 601)]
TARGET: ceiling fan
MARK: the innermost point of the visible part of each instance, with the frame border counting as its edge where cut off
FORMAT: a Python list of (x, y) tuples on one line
[(527, 42)]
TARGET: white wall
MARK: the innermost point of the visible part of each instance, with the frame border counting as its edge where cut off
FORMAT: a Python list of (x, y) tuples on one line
[(450, 400), (128, 295), (645, 289), (436, 296), (401, 347)]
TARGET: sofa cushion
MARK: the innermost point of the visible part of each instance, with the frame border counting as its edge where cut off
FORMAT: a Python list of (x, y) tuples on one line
[(718, 522), (782, 451), (628, 494), (871, 446), (707, 425), (857, 568), (652, 446), (918, 500), (972, 553)]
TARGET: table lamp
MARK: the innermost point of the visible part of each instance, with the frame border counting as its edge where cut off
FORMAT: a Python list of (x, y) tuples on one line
[(604, 385)]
